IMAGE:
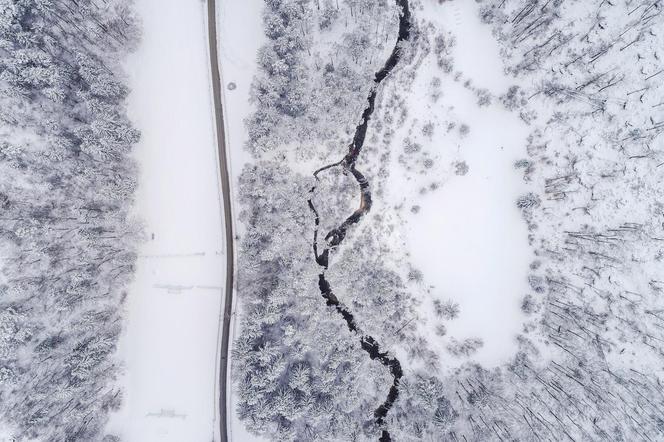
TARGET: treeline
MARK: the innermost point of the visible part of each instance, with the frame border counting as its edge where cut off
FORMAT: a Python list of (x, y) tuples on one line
[(589, 358), (67, 238), (301, 374), (315, 70), (589, 365)]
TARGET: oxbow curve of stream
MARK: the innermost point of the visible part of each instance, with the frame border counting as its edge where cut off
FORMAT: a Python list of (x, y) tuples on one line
[(336, 236)]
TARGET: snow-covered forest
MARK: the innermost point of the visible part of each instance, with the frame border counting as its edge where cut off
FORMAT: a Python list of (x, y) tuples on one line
[(563, 339), (450, 223), (67, 240)]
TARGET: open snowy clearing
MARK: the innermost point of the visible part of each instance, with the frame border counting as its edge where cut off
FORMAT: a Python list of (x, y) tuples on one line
[(468, 237), (170, 345)]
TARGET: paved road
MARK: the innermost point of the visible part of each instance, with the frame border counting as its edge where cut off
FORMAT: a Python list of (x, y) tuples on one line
[(228, 219)]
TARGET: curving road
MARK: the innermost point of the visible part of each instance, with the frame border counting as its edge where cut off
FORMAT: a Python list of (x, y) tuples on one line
[(228, 219)]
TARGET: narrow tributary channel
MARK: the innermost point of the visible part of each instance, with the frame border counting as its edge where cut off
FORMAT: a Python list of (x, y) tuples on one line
[(336, 236)]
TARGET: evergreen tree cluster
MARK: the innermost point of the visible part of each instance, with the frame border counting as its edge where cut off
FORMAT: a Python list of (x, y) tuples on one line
[(67, 237), (300, 372)]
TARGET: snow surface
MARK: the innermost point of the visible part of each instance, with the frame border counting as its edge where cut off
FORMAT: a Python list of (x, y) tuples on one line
[(7, 434), (240, 32), (171, 339), (469, 239), (240, 35)]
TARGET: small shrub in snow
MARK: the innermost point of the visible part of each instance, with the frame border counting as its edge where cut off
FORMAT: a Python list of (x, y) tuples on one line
[(443, 49), (529, 305), (461, 168), (427, 130), (415, 275), (467, 347), (419, 350), (528, 201), (522, 164), (536, 283), (484, 97), (441, 330), (527, 167), (513, 98), (448, 309), (411, 147), (487, 15), (434, 89)]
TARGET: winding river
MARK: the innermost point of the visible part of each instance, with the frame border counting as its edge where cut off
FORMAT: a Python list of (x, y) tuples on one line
[(336, 236)]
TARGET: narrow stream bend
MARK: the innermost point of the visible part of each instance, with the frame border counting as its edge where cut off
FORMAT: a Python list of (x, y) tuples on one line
[(336, 236)]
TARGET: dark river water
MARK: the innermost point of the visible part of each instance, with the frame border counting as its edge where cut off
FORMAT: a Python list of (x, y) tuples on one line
[(336, 236)]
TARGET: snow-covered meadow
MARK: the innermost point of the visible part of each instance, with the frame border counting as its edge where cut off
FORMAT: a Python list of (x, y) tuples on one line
[(171, 343), (458, 272), (466, 235)]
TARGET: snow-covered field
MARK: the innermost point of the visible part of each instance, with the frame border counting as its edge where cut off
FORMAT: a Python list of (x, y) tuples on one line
[(240, 31), (240, 34), (468, 237), (170, 344)]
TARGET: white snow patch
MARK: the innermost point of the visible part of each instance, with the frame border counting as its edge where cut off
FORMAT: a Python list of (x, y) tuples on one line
[(240, 32), (170, 343), (240, 35), (7, 434), (469, 239)]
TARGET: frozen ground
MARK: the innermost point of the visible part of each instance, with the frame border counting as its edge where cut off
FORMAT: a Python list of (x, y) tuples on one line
[(240, 35), (468, 237), (6, 433), (173, 306)]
